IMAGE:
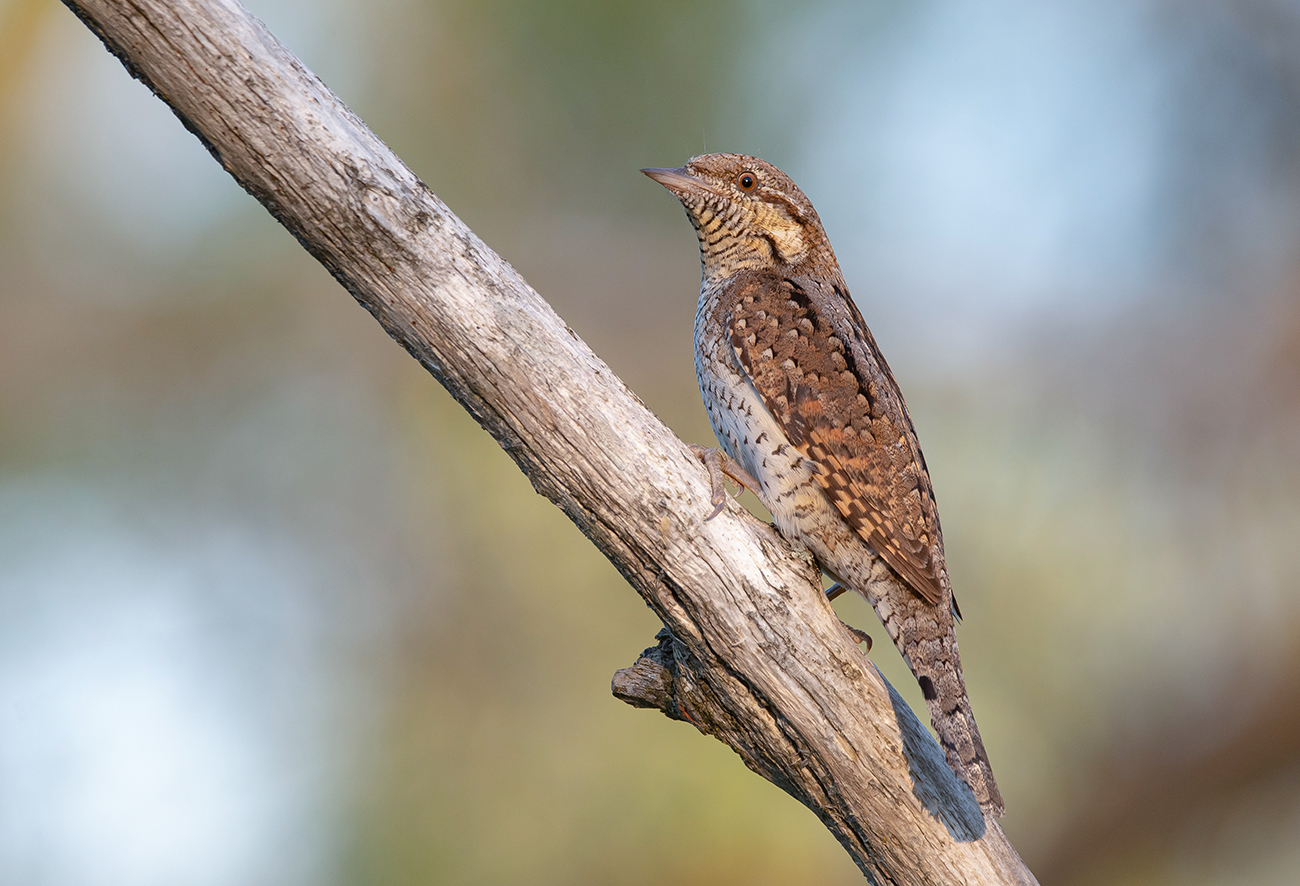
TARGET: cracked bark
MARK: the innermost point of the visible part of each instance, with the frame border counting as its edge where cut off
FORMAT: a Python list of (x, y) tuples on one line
[(751, 652)]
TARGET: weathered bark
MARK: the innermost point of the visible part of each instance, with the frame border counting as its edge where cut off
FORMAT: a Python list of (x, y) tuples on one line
[(752, 652)]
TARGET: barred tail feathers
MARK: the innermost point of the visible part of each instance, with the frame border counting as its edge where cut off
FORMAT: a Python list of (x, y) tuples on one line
[(926, 636)]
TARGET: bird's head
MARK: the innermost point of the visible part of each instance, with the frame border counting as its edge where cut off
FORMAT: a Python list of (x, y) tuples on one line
[(747, 213)]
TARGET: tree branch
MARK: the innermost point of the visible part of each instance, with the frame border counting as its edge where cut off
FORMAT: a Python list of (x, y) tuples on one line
[(752, 652)]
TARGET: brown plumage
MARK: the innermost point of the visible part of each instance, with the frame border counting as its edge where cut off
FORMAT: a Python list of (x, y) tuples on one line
[(800, 396)]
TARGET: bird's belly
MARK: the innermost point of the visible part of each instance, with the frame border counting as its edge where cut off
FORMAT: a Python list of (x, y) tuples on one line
[(752, 436)]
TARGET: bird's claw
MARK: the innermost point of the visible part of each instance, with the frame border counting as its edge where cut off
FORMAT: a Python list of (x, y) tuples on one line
[(857, 635), (720, 465)]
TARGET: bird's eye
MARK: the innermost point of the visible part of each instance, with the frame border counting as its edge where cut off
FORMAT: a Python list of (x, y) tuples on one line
[(746, 181)]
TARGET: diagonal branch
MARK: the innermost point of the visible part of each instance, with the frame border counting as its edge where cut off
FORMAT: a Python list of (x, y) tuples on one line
[(752, 653)]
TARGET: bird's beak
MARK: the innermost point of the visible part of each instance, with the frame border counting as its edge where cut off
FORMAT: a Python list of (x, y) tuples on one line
[(677, 180)]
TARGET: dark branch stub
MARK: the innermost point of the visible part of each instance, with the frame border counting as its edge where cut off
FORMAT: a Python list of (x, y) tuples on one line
[(650, 682)]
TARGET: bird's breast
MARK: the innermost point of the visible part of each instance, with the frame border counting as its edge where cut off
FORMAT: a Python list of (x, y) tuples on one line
[(749, 433)]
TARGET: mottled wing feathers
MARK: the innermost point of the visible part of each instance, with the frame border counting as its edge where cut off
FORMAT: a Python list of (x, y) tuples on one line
[(817, 368)]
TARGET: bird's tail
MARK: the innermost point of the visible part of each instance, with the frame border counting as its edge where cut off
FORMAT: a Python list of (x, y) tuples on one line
[(953, 720), (926, 636)]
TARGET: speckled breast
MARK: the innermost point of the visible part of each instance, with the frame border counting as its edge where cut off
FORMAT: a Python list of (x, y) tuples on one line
[(752, 436)]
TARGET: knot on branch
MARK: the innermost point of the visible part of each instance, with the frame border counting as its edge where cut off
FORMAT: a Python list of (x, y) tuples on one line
[(665, 678)]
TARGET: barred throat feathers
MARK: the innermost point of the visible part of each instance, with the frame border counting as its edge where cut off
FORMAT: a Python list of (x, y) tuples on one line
[(735, 237)]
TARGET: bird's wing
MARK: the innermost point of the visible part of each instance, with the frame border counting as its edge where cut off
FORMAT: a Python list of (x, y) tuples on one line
[(812, 359)]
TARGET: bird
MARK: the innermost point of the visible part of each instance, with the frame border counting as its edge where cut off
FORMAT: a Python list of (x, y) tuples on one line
[(810, 418)]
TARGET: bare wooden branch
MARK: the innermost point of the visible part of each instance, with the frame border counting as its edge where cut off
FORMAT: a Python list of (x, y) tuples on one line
[(752, 652)]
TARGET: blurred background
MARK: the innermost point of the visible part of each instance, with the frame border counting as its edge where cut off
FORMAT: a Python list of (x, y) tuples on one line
[(273, 610)]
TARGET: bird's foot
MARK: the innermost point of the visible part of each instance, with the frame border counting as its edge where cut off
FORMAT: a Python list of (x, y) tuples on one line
[(719, 464), (858, 636)]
